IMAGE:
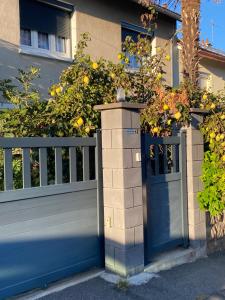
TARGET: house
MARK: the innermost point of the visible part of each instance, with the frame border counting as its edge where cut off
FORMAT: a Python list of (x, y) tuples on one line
[(212, 68), (44, 33)]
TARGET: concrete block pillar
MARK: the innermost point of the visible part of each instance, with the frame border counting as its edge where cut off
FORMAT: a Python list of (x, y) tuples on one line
[(195, 156), (122, 186)]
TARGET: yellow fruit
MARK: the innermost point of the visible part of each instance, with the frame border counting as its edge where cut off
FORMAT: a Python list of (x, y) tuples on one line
[(112, 75), (165, 107), (213, 106), (159, 76), (223, 144), (177, 116), (212, 135), (218, 137), (87, 129), (86, 80), (127, 60), (204, 97), (222, 136), (202, 106), (58, 90), (223, 158), (155, 130), (120, 56), (52, 93), (168, 58), (95, 66), (222, 117), (169, 122), (80, 121)]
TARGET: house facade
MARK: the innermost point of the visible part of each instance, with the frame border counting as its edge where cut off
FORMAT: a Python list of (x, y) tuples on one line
[(212, 68), (44, 33)]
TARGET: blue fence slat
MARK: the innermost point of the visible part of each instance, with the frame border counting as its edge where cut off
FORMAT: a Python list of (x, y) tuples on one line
[(43, 166), (8, 169), (26, 168), (73, 164), (165, 159), (86, 164), (58, 165), (156, 150)]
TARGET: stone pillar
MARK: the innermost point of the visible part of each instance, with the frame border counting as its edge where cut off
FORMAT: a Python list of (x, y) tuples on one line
[(122, 185), (195, 156)]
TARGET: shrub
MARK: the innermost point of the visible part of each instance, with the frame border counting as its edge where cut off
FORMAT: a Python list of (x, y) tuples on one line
[(212, 198)]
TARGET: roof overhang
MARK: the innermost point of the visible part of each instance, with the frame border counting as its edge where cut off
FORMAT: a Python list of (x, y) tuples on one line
[(164, 11), (208, 53), (212, 54)]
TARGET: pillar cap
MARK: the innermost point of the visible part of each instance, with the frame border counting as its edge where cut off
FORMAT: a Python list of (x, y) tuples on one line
[(199, 111), (116, 105)]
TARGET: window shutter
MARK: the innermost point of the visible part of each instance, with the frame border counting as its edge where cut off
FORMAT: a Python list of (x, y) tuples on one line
[(127, 32), (133, 31), (48, 16)]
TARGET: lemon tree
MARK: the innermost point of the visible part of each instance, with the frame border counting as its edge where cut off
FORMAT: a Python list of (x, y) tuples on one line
[(26, 118), (84, 84), (167, 110), (213, 127)]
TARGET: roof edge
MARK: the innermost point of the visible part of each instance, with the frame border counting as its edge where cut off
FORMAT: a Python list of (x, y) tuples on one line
[(164, 11), (212, 54)]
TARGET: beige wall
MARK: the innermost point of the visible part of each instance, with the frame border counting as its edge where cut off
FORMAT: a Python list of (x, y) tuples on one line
[(212, 69), (216, 71), (9, 21), (166, 29), (102, 19), (11, 60)]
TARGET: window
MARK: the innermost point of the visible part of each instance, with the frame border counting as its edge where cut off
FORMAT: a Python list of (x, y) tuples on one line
[(60, 44), (133, 31), (43, 40), (25, 37), (45, 28), (205, 81)]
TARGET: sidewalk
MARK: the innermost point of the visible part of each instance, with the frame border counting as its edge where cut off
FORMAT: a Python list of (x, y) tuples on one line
[(203, 279)]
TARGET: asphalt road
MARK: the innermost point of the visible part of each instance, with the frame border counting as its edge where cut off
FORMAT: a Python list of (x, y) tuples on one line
[(203, 279)]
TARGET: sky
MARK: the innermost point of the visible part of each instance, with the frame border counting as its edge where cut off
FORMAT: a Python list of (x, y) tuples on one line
[(213, 22)]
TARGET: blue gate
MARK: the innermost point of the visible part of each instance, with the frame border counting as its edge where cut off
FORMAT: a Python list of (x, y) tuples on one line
[(165, 193), (51, 213)]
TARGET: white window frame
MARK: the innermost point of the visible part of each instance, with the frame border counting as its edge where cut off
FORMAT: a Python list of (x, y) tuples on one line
[(48, 53), (208, 79)]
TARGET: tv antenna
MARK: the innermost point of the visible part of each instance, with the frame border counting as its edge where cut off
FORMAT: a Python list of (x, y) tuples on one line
[(212, 30)]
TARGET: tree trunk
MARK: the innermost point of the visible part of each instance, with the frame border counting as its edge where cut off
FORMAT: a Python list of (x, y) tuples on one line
[(190, 12)]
